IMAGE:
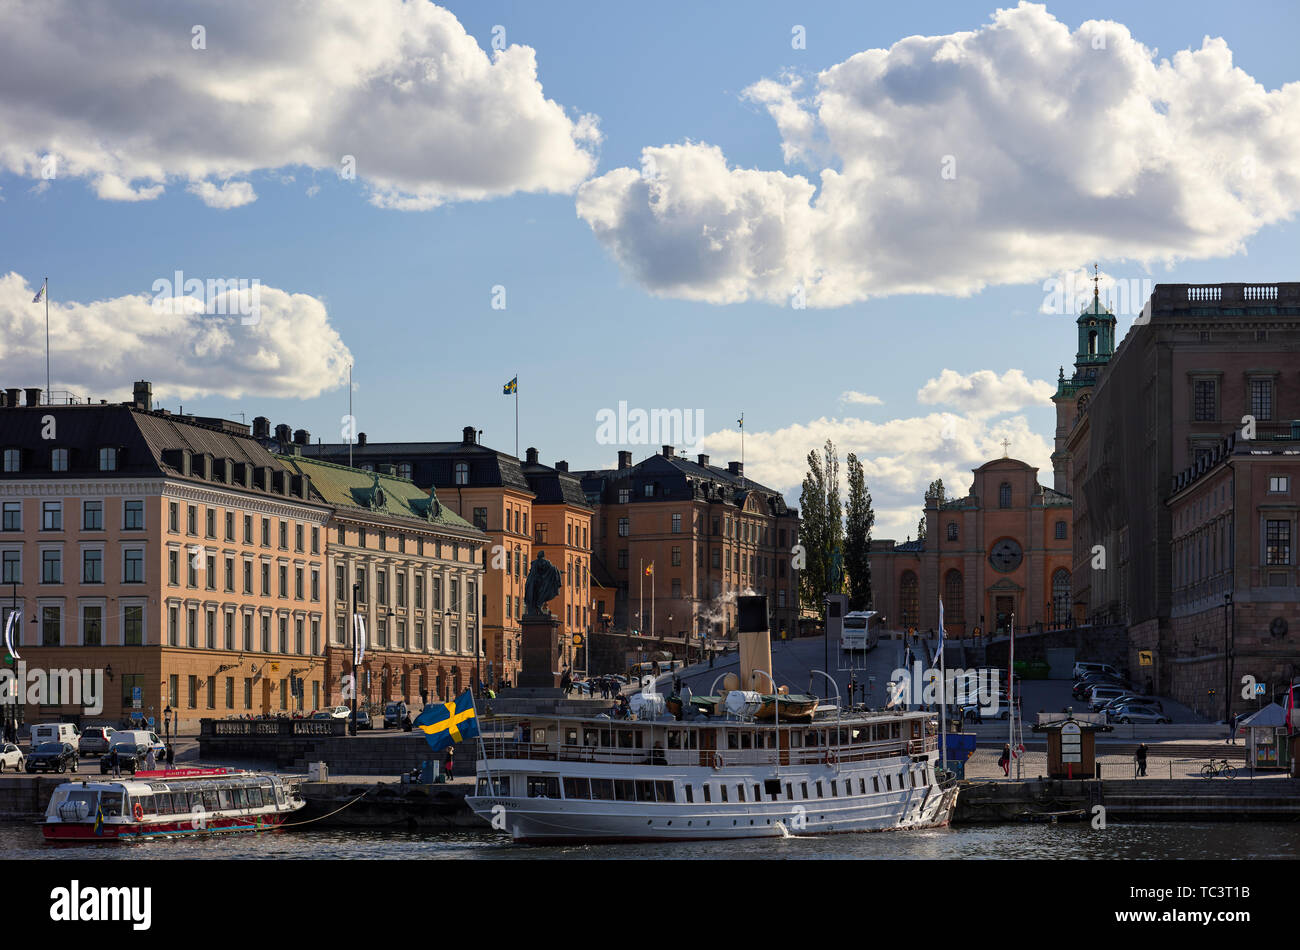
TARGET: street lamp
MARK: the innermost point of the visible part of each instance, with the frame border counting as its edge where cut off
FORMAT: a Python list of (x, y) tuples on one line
[(1227, 668), (352, 726)]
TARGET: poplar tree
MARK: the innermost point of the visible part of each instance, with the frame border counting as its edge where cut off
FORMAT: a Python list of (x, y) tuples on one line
[(859, 520)]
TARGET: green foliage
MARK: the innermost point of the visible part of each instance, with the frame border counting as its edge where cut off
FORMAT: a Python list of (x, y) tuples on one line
[(859, 518)]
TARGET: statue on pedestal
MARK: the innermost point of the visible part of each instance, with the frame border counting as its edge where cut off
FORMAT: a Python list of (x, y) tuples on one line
[(542, 585)]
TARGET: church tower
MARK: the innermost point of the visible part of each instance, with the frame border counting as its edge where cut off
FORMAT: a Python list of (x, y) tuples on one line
[(1096, 346)]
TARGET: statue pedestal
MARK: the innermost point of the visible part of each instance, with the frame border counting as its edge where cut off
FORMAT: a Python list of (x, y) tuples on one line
[(539, 652)]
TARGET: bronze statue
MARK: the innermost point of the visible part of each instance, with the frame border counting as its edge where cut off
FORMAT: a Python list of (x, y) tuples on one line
[(542, 585)]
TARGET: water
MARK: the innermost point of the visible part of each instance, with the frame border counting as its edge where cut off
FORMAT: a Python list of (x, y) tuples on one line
[(1172, 841)]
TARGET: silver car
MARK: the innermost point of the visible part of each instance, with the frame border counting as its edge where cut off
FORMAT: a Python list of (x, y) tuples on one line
[(1127, 714), (97, 738)]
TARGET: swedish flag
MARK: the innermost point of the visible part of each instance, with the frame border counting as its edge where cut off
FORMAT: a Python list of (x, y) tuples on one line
[(447, 723), (99, 820), (510, 387)]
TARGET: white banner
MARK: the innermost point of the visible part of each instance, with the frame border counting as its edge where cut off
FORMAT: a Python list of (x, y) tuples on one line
[(358, 639)]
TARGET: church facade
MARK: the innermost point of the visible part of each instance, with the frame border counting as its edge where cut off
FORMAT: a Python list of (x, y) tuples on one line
[(1006, 548)]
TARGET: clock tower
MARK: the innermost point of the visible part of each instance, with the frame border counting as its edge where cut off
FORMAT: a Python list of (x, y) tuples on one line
[(1096, 346)]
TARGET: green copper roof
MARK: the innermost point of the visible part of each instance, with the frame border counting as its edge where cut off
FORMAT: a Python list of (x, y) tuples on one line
[(363, 491)]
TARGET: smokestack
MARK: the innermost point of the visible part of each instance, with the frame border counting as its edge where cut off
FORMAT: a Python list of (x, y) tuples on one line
[(142, 395), (667, 451), (531, 456), (261, 427), (702, 460), (736, 468), (301, 437), (624, 460), (361, 438)]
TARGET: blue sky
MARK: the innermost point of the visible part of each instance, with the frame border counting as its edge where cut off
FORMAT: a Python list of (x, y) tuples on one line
[(409, 292)]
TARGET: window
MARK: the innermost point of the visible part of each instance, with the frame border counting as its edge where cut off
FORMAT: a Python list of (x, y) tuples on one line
[(11, 460), (649, 491), (230, 526), (1004, 495), (133, 516), (1060, 531), (1061, 597), (461, 476), (1204, 404), (51, 626), (1277, 536), (52, 516), (480, 518), (92, 516), (908, 599), (13, 567), (108, 459), (717, 558), (13, 516), (952, 531), (59, 460), (1279, 483), (92, 625), (1261, 399), (210, 522), (677, 556), (266, 532), (954, 598), (284, 536), (677, 524), (622, 559), (624, 495), (51, 567), (133, 626), (622, 527), (92, 567)]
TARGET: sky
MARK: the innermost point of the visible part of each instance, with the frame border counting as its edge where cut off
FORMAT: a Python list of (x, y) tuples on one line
[(869, 223)]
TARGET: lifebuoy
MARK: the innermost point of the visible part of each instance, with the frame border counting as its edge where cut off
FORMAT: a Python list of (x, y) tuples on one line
[(138, 811), (717, 760), (831, 758)]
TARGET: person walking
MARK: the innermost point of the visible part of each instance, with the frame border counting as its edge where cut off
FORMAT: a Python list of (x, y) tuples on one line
[(1141, 756), (114, 761), (1005, 760), (150, 761), (449, 764), (169, 756)]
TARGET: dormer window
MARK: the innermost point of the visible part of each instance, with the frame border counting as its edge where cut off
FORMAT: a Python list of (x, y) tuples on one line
[(11, 460), (462, 473), (404, 470), (649, 491), (58, 460), (108, 459)]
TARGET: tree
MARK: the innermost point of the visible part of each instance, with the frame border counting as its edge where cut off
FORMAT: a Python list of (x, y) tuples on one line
[(834, 522), (812, 534), (859, 520)]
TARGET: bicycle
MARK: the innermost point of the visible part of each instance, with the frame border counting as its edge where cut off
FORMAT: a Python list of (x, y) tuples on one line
[(1218, 767)]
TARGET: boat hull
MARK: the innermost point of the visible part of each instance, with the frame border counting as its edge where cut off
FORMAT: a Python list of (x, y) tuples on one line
[(186, 827)]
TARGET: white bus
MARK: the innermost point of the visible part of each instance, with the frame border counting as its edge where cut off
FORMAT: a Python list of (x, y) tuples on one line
[(859, 634)]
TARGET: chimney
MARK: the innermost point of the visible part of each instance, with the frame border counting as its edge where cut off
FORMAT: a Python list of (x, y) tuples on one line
[(736, 468), (34, 397), (702, 460), (561, 466), (668, 451), (467, 436), (624, 460), (13, 396), (142, 395), (301, 437), (531, 455), (261, 427), (361, 438), (282, 434)]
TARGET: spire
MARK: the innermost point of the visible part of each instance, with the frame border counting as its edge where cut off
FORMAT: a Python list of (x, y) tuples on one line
[(1096, 293)]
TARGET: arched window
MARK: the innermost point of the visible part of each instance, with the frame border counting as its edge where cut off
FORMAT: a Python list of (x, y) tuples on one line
[(1004, 495), (954, 598), (1061, 598), (909, 600), (952, 531), (1092, 342)]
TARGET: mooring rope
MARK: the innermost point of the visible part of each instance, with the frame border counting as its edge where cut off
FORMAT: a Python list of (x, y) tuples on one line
[(334, 812)]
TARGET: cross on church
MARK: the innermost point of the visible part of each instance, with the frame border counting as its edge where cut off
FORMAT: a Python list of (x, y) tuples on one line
[(1005, 445)]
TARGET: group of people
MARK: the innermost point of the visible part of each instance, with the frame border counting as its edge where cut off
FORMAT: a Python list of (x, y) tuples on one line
[(151, 760)]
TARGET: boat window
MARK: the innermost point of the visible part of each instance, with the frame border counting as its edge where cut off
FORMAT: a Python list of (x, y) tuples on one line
[(589, 737), (625, 738), (771, 740), (862, 786), (606, 738), (664, 792), (645, 791), (163, 802), (502, 785), (571, 736), (804, 787), (811, 738), (740, 793), (254, 797), (602, 789), (690, 794), (539, 736), (708, 793), (722, 793), (223, 798), (543, 786), (674, 740), (577, 788), (111, 802), (210, 799), (789, 791), (624, 790), (889, 784), (148, 804), (875, 783), (758, 795), (835, 792), (914, 779), (895, 730), (746, 740), (692, 739), (240, 798), (733, 739), (796, 739), (639, 737)]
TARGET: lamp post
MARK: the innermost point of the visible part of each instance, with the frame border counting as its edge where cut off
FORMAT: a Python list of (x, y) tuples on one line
[(352, 725), (1227, 667)]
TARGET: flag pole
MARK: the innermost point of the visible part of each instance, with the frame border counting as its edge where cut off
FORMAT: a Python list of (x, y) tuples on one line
[(351, 422), (516, 415), (943, 696), (48, 394)]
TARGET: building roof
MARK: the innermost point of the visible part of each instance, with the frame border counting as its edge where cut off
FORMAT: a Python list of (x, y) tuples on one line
[(432, 463), (361, 492), (680, 479), (553, 486)]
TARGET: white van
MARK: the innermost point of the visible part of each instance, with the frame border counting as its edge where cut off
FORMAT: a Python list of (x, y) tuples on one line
[(56, 732), (135, 737)]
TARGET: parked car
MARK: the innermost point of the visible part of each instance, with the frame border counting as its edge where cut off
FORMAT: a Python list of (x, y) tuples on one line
[(44, 732), (322, 715), (1083, 687), (52, 757), (1134, 713), (363, 720), (11, 757), (130, 758), (341, 712), (1101, 695), (394, 713), (1133, 699), (135, 737), (1083, 669), (96, 739)]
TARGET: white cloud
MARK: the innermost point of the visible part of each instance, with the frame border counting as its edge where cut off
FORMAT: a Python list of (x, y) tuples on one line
[(233, 194), (862, 399), (98, 348), (985, 393), (899, 457), (423, 111), (1060, 147)]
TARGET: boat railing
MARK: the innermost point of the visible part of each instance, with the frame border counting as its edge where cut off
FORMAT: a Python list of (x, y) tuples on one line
[(806, 755)]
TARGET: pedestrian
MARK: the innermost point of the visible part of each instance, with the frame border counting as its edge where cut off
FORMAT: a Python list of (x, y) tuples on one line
[(1141, 756), (169, 755), (1005, 760), (449, 764), (150, 761), (114, 762)]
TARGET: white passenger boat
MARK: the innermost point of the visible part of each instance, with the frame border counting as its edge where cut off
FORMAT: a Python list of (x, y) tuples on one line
[(170, 803)]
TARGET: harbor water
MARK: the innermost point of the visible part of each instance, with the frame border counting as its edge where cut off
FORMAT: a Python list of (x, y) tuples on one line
[(1064, 841)]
